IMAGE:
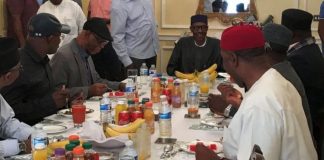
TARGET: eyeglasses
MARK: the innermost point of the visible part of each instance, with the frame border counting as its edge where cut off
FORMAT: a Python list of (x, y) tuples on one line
[(100, 40), (197, 28)]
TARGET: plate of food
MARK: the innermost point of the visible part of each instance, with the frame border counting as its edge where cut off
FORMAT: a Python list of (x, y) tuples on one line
[(52, 129), (215, 121), (68, 112), (115, 94), (217, 147)]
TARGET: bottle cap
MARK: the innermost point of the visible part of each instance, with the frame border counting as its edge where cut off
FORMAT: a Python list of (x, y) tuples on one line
[(144, 100), (69, 147), (73, 137), (156, 79), (136, 100), (170, 79), (87, 145), (59, 152), (128, 143), (120, 102), (130, 101), (40, 146), (75, 142), (78, 150), (149, 104)]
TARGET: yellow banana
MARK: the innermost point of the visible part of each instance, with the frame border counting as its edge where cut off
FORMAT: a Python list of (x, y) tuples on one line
[(213, 76), (112, 133), (188, 76), (211, 69), (131, 128)]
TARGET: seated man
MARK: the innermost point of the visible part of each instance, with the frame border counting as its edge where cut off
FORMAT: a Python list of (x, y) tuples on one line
[(196, 52), (263, 111), (14, 134), (278, 38), (33, 95), (72, 65)]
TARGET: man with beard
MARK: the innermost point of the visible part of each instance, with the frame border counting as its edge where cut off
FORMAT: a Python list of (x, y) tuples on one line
[(197, 52), (72, 65), (271, 107)]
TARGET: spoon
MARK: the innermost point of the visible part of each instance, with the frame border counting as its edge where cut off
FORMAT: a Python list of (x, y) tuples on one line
[(166, 149)]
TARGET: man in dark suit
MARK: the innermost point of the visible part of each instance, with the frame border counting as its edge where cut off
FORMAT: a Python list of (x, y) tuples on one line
[(306, 58)]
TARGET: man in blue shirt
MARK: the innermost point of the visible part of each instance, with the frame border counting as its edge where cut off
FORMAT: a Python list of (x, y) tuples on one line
[(133, 29)]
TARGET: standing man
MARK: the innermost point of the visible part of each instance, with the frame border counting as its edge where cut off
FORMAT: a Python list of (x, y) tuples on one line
[(133, 29), (19, 13), (67, 12), (15, 135), (32, 95), (321, 25), (271, 107), (197, 52), (306, 58), (72, 65)]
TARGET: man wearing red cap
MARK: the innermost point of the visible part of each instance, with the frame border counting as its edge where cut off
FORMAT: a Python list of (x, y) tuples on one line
[(271, 114)]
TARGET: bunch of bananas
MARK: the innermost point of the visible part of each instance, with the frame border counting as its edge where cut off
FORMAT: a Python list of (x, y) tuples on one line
[(129, 129), (194, 77)]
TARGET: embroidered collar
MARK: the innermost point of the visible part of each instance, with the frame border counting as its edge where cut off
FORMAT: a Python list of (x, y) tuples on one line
[(203, 45)]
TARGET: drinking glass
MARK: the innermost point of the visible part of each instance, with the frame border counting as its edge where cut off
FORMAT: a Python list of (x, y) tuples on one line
[(78, 115), (204, 83)]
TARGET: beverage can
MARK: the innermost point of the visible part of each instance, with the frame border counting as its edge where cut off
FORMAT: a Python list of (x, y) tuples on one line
[(123, 118), (135, 115)]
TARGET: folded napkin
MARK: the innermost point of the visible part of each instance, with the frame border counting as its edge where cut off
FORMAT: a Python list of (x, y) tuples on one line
[(93, 132)]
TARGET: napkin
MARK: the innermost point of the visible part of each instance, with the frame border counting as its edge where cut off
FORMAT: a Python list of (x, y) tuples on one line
[(93, 133)]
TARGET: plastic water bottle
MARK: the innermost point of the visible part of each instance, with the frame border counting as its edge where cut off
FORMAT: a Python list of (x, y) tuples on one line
[(39, 136), (105, 110), (143, 73), (152, 71), (130, 89), (129, 153), (165, 118), (193, 96)]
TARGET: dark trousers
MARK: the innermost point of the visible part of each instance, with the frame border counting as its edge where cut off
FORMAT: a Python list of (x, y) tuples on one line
[(137, 63)]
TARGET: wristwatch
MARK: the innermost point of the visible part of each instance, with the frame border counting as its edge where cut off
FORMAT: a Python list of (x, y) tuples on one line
[(22, 146), (227, 111)]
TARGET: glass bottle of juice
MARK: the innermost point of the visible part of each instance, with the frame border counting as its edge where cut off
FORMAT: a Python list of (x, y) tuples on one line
[(40, 152), (131, 106), (176, 96), (170, 84), (149, 116), (155, 90), (121, 106)]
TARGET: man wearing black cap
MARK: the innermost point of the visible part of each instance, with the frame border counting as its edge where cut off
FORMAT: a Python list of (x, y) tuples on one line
[(197, 52), (306, 58), (33, 95), (72, 65), (14, 134)]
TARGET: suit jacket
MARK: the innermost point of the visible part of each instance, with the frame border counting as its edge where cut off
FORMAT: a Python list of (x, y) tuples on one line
[(70, 69), (309, 65)]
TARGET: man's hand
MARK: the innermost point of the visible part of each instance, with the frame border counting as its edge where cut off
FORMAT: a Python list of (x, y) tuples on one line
[(230, 95), (204, 153), (122, 86), (59, 97), (77, 99), (97, 89), (28, 145), (217, 103), (131, 66)]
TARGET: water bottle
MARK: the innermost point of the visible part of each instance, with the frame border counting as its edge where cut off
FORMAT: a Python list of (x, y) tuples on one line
[(130, 89), (143, 73), (129, 153), (105, 110), (152, 71), (39, 136), (165, 118)]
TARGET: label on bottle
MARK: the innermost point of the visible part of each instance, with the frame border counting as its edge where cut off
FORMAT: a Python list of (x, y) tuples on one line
[(104, 107), (165, 115), (129, 89), (176, 99), (42, 140), (144, 72)]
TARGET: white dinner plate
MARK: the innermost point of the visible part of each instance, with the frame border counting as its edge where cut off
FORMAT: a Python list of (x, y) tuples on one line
[(52, 129), (186, 146), (68, 113)]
